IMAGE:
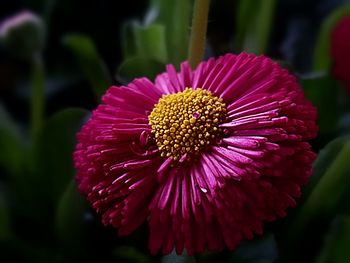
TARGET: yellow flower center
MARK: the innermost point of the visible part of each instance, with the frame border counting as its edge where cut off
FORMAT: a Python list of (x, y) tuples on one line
[(186, 123)]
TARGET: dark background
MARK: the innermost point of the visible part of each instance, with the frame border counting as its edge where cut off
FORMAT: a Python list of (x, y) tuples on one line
[(293, 34)]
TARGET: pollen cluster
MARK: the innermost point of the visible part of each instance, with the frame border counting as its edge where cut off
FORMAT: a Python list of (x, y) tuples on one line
[(186, 123)]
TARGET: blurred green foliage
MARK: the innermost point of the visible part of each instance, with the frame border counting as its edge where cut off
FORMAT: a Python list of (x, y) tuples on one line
[(161, 38), (336, 247), (90, 62)]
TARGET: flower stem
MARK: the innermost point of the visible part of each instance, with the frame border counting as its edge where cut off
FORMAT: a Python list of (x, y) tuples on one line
[(199, 31), (37, 94)]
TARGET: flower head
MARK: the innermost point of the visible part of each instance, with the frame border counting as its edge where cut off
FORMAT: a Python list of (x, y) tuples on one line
[(205, 155), (340, 51)]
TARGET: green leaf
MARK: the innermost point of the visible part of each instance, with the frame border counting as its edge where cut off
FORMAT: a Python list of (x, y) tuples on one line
[(150, 42), (253, 25), (175, 15), (69, 222), (322, 91), (54, 150), (326, 197), (131, 254), (336, 247), (139, 67), (11, 144), (163, 36), (322, 59), (144, 41), (324, 159), (89, 61)]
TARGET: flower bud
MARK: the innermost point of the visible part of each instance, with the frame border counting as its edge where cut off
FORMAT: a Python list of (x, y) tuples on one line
[(23, 34)]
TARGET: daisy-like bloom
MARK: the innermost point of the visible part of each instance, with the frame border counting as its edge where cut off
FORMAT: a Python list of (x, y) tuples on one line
[(205, 155), (340, 51)]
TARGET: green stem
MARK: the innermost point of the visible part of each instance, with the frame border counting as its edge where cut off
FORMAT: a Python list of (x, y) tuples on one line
[(37, 94), (199, 31)]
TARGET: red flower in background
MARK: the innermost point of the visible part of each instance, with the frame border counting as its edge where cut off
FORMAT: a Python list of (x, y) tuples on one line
[(340, 51), (205, 155)]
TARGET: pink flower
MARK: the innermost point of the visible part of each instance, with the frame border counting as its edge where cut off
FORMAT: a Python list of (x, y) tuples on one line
[(205, 155), (340, 51)]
